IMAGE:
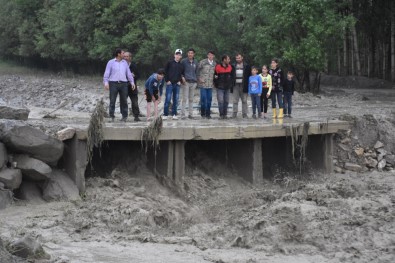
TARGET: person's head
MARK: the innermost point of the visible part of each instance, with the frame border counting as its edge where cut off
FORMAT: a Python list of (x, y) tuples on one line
[(178, 54), (160, 73), (239, 58), (127, 56), (210, 55), (254, 70), (265, 69), (118, 53), (225, 59), (274, 63), (290, 75), (191, 53)]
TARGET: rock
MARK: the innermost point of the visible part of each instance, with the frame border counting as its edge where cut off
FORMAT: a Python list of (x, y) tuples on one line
[(65, 134), (381, 154), (371, 163), (346, 141), (11, 178), (12, 113), (370, 154), (238, 242), (21, 138), (60, 187), (381, 165), (352, 167), (359, 151), (338, 170), (344, 147), (5, 198), (390, 158), (30, 191), (3, 155), (2, 186), (28, 247), (378, 145), (32, 168)]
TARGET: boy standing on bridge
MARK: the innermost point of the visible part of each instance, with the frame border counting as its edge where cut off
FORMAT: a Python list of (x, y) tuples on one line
[(289, 88), (153, 87), (255, 90)]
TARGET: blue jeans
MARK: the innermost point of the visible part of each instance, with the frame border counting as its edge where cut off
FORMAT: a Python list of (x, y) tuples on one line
[(172, 89), (279, 96), (206, 96), (122, 89), (223, 101), (256, 103), (287, 102)]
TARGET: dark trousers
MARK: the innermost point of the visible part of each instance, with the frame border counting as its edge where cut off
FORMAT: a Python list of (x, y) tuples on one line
[(277, 96), (135, 101), (206, 96), (287, 102), (256, 103), (122, 89), (223, 101), (264, 100)]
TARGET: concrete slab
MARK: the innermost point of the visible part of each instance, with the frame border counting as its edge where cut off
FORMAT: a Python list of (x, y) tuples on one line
[(216, 129)]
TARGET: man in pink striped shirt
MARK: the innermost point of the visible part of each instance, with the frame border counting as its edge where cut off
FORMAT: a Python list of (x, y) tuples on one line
[(115, 79)]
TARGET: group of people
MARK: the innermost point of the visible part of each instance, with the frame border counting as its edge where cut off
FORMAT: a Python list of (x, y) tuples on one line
[(187, 74)]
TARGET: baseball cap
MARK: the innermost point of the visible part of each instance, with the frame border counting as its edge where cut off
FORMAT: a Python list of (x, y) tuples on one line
[(178, 51)]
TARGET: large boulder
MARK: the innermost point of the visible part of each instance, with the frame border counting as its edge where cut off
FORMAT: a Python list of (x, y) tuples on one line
[(32, 168), (3, 155), (5, 198), (60, 187), (31, 192), (28, 247), (11, 178), (12, 113), (21, 138)]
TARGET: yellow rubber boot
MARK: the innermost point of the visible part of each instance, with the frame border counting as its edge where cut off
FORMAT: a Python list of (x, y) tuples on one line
[(281, 113), (274, 113)]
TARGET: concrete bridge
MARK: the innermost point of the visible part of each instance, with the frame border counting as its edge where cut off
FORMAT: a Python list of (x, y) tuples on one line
[(247, 145)]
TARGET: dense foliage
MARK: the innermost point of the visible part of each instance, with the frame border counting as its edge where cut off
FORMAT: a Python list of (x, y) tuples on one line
[(310, 36)]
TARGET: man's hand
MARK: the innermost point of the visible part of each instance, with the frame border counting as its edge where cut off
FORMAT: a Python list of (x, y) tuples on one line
[(106, 87), (168, 83), (133, 86), (268, 95)]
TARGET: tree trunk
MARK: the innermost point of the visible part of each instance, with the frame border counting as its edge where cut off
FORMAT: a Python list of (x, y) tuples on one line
[(384, 61), (372, 61), (317, 81), (352, 55), (345, 69), (392, 41), (306, 80), (356, 50), (339, 65)]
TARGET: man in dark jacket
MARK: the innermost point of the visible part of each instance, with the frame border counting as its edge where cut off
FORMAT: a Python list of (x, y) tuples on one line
[(173, 77), (241, 72), (133, 93)]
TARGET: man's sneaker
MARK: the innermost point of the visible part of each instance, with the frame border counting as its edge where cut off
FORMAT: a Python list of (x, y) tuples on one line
[(175, 117), (112, 119), (137, 119), (245, 116), (123, 119), (190, 117), (208, 117), (253, 116), (289, 116), (164, 117)]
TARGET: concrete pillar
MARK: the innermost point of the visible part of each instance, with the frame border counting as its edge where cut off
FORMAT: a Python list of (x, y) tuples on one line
[(257, 167), (328, 153), (75, 160), (179, 163), (170, 160), (246, 157)]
